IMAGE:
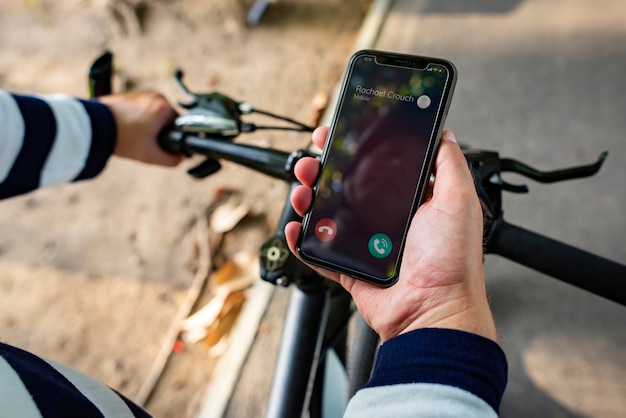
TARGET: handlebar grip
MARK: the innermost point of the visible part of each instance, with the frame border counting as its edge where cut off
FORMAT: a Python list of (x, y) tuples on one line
[(171, 141), (580, 268), (101, 75)]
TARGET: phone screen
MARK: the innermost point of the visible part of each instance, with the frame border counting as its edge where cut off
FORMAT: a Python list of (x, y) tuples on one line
[(375, 164)]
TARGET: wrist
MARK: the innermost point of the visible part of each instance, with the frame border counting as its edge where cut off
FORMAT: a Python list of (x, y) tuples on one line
[(460, 304), (459, 314)]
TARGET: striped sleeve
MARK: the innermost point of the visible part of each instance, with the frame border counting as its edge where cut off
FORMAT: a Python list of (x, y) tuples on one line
[(50, 140), (434, 373), (32, 387)]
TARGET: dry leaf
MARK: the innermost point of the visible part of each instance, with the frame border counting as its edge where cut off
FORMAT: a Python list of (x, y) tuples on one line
[(224, 274), (318, 107), (221, 328), (227, 215), (230, 282)]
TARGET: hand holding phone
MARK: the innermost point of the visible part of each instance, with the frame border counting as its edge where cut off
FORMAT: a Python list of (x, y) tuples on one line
[(441, 282), (376, 163)]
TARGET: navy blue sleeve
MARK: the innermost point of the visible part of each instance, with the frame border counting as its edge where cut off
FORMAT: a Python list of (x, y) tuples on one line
[(104, 132), (39, 388), (443, 356)]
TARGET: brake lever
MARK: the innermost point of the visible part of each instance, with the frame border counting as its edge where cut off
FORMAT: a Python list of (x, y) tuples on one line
[(487, 166), (208, 113), (217, 117), (514, 166), (217, 114)]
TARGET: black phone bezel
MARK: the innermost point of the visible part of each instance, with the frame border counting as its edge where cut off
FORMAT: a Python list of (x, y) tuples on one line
[(400, 60)]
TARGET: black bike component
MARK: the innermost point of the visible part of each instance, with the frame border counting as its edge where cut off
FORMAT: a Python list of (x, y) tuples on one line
[(220, 116), (274, 163), (485, 167), (209, 113), (341, 310), (307, 315), (276, 261), (101, 75), (173, 141), (278, 264), (205, 168), (511, 165), (301, 126), (580, 268), (361, 355), (336, 341)]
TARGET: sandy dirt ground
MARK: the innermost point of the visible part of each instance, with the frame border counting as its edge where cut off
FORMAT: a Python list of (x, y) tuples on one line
[(92, 274)]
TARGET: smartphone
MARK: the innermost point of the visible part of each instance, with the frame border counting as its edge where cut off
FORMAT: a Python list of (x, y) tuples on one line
[(376, 163)]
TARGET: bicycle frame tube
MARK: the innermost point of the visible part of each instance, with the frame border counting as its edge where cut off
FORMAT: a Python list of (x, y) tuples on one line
[(298, 356)]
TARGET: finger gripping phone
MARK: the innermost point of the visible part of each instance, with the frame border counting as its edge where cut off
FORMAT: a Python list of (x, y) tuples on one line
[(376, 163)]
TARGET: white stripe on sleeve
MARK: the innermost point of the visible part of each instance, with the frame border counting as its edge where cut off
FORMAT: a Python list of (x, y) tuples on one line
[(11, 133), (103, 397), (417, 400), (14, 397), (72, 143)]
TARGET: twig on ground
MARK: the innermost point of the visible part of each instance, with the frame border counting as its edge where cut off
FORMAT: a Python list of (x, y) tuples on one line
[(193, 293)]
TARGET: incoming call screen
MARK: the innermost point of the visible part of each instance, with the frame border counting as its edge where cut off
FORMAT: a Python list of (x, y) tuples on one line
[(371, 169)]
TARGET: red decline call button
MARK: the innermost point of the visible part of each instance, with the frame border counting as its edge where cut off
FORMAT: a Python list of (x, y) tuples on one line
[(325, 229)]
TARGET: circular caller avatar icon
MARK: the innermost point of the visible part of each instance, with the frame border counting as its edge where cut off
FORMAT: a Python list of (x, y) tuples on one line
[(423, 102)]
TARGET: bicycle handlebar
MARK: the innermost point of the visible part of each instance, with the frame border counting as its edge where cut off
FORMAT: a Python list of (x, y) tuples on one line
[(577, 267), (269, 161), (216, 121), (580, 268)]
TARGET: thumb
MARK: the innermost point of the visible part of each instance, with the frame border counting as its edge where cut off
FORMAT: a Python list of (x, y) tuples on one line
[(452, 173)]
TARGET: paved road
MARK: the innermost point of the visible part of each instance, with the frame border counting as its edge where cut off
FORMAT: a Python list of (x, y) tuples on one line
[(543, 81)]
